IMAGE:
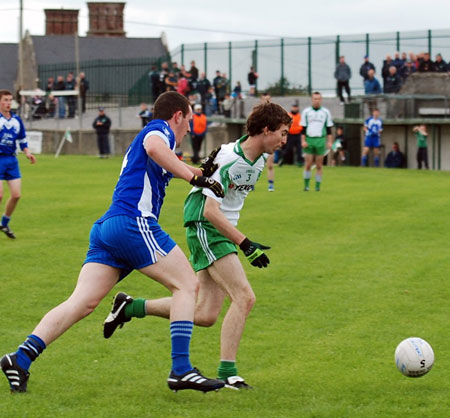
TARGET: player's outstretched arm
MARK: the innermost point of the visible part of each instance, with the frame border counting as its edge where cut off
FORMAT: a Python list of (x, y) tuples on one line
[(252, 250)]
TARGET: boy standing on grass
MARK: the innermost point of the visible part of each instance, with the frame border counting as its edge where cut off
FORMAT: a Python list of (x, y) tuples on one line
[(373, 127), (213, 238), (127, 237), (11, 130), (422, 146)]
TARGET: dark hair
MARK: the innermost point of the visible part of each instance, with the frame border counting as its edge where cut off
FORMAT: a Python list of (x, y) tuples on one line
[(169, 103), (267, 114), (316, 92), (5, 93)]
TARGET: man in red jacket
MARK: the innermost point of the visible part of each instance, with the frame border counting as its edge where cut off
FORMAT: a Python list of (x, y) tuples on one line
[(198, 132), (293, 138)]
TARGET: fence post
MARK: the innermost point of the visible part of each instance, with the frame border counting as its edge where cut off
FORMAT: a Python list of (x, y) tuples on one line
[(367, 44), (398, 41), (429, 42), (205, 57), (309, 67), (255, 64), (282, 67), (338, 47), (230, 63), (182, 54)]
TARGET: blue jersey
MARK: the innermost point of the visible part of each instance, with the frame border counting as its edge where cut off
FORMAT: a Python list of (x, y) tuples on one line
[(142, 183), (11, 130), (374, 127)]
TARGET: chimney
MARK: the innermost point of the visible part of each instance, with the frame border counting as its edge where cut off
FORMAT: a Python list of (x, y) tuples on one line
[(61, 21), (106, 19)]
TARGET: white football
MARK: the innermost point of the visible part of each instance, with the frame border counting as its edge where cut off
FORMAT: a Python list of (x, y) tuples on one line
[(414, 357)]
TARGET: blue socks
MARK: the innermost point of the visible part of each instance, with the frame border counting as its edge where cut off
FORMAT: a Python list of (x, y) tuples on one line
[(376, 161), (5, 220), (364, 160), (180, 334), (29, 351)]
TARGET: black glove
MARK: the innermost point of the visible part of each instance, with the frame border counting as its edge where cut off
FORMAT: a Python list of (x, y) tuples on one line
[(253, 252), (207, 166), (208, 183)]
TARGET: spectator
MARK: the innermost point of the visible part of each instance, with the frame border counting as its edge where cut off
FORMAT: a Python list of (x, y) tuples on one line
[(145, 114), (371, 84), (183, 84), (163, 73), (365, 67), (237, 91), (440, 65), (227, 104), (385, 70), (83, 88), (395, 159), (220, 87), (426, 65), (422, 146), (252, 77), (101, 125), (398, 62), (373, 127), (153, 76), (199, 126), (171, 81), (407, 70), (293, 139), (393, 82), (50, 85), (338, 148), (419, 59), (203, 86), (51, 105), (210, 102), (71, 100), (60, 86), (175, 69), (342, 74), (193, 71)]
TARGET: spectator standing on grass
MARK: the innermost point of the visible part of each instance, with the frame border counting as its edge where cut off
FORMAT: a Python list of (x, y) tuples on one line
[(293, 141), (395, 158), (252, 78), (440, 66), (102, 124), (71, 100), (422, 146), (84, 87), (342, 74), (426, 66), (199, 126), (12, 131), (60, 85), (393, 81), (365, 67)]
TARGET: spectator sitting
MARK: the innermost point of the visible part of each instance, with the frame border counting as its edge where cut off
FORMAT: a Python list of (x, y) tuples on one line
[(426, 65), (227, 105), (365, 67), (371, 84), (338, 148), (440, 66), (171, 81), (395, 159), (393, 82), (145, 114)]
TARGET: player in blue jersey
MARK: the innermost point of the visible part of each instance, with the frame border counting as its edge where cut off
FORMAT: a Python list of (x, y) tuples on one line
[(129, 237), (11, 131), (373, 127)]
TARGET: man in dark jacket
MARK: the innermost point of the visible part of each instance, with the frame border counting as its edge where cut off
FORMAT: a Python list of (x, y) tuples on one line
[(426, 65), (101, 125), (84, 87), (393, 82), (440, 66), (343, 74), (365, 67), (395, 159), (203, 85)]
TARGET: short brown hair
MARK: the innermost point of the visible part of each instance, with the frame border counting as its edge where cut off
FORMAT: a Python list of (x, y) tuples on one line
[(267, 114), (169, 103), (5, 93)]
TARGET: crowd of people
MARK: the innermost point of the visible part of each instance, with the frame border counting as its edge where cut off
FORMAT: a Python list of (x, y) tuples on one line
[(394, 72)]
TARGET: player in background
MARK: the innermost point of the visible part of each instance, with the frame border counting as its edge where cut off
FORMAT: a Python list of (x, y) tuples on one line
[(373, 126), (129, 237), (316, 138), (12, 130), (213, 238)]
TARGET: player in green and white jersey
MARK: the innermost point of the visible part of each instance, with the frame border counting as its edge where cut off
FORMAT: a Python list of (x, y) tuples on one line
[(213, 237), (316, 138)]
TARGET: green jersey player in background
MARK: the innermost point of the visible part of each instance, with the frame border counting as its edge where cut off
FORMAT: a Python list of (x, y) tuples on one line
[(213, 237), (316, 138)]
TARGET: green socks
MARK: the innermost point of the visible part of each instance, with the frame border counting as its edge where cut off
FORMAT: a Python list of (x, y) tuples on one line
[(135, 309), (226, 369)]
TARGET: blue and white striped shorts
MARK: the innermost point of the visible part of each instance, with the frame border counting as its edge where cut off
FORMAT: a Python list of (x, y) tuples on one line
[(127, 243)]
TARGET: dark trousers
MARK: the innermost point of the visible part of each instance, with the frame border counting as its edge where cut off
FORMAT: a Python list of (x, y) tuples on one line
[(422, 157), (196, 146), (103, 144), (83, 103), (293, 142), (345, 85), (71, 104)]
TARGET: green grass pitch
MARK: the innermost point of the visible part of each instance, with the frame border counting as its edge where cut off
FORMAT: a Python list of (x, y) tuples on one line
[(354, 270)]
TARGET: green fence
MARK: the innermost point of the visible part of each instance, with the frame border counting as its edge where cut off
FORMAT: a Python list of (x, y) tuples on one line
[(307, 63), (110, 81)]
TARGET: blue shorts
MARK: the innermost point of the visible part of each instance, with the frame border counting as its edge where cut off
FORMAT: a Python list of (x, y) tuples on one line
[(127, 243), (372, 141), (9, 167)]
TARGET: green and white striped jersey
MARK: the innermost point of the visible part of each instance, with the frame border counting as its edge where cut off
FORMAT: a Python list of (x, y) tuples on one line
[(238, 177), (316, 121)]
